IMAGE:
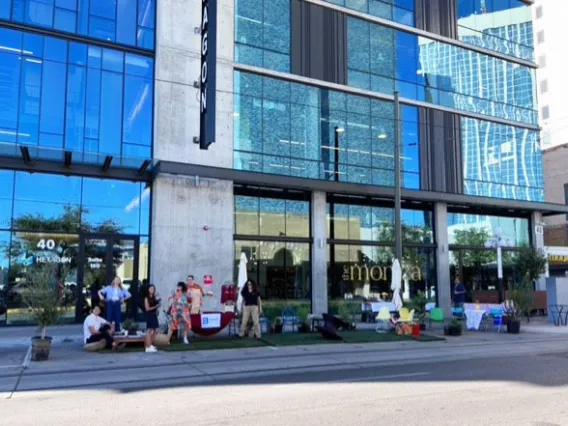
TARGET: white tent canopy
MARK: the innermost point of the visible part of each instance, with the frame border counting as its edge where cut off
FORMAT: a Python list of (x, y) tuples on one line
[(242, 279), (396, 284)]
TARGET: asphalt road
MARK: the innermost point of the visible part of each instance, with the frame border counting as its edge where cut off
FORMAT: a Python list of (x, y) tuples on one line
[(524, 390)]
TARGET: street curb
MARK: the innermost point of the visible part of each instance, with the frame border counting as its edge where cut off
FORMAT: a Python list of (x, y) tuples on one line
[(427, 346)]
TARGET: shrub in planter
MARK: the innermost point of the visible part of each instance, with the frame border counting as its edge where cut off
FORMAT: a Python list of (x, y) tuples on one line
[(518, 304), (45, 303), (454, 328), (418, 303), (303, 314), (277, 325)]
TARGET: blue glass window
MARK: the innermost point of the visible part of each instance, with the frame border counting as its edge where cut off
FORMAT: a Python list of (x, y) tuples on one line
[(501, 161), (262, 33), (299, 130), (384, 59), (129, 22), (501, 25), (401, 11), (72, 96), (45, 202)]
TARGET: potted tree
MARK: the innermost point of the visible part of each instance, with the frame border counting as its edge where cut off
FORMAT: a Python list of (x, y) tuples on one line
[(419, 305), (518, 304), (531, 264), (303, 313), (45, 303)]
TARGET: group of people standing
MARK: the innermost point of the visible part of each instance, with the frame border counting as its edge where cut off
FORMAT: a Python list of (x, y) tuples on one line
[(187, 300)]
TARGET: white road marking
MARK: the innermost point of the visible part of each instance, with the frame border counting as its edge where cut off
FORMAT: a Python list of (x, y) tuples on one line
[(393, 376)]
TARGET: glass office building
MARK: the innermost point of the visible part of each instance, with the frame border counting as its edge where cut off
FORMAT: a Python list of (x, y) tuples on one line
[(101, 174)]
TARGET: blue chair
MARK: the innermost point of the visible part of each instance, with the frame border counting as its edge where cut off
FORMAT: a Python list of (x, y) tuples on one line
[(289, 317), (497, 315)]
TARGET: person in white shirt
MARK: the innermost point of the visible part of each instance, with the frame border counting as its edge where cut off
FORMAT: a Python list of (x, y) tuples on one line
[(96, 328)]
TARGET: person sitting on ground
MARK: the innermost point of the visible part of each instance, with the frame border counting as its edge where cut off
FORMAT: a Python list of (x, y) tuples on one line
[(178, 312), (96, 328)]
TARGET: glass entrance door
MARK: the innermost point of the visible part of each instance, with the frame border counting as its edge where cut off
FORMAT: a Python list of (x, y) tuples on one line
[(103, 257)]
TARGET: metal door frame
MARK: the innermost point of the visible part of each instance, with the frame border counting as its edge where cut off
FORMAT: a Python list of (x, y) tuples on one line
[(110, 238)]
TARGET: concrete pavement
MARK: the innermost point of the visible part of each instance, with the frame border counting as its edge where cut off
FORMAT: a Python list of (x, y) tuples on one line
[(497, 391)]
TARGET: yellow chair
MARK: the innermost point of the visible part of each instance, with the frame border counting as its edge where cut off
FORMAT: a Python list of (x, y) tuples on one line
[(383, 320), (405, 316)]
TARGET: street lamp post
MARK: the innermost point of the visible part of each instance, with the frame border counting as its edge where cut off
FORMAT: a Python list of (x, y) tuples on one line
[(498, 242), (397, 181)]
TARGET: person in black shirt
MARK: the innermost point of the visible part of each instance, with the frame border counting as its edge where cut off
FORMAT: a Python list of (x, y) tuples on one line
[(252, 308)]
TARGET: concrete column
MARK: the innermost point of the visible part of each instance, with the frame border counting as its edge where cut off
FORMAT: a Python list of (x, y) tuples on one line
[(192, 233), (538, 243), (178, 65), (443, 258), (319, 253)]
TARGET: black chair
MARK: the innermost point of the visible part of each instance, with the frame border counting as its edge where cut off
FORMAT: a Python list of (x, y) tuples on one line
[(556, 312)]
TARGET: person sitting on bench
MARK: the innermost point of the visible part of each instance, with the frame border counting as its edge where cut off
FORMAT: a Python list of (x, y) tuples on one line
[(96, 328)]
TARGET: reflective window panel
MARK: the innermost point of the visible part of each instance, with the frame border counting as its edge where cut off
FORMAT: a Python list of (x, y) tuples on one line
[(476, 230), (298, 130), (73, 96), (128, 22)]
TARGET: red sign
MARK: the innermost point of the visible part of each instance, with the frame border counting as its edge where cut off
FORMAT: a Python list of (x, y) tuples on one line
[(208, 279)]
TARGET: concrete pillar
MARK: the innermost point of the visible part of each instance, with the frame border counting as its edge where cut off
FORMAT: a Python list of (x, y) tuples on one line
[(538, 243), (178, 64), (192, 233), (319, 253), (443, 258)]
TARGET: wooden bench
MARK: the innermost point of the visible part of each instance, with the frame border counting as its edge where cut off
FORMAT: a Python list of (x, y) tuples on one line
[(121, 341)]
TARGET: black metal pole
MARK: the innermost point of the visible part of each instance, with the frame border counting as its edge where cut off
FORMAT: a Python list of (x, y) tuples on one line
[(336, 158), (397, 181)]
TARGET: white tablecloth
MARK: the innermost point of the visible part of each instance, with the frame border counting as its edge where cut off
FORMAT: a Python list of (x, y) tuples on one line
[(376, 306), (473, 318)]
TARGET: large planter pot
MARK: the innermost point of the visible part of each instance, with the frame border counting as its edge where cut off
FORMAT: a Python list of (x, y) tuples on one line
[(304, 328), (40, 348), (514, 326)]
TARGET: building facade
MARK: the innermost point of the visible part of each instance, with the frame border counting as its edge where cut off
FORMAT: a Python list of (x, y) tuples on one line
[(102, 172)]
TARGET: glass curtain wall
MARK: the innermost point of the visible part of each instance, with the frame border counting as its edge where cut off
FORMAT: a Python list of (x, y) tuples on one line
[(42, 218), (361, 250), (293, 129), (383, 60), (476, 266), (67, 95), (272, 228), (128, 22), (501, 25)]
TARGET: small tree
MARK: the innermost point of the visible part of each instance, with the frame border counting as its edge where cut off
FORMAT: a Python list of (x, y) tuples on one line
[(531, 263), (42, 296), (520, 299)]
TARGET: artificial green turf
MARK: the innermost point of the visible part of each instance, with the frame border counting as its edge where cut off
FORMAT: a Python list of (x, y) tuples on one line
[(285, 339)]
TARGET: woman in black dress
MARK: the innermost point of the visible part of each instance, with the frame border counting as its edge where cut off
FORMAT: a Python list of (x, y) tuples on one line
[(151, 303)]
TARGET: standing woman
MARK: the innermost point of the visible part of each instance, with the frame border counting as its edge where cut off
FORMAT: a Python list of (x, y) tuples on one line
[(151, 305), (252, 308), (114, 295)]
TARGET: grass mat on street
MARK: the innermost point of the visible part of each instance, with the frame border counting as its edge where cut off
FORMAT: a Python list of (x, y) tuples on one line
[(294, 339)]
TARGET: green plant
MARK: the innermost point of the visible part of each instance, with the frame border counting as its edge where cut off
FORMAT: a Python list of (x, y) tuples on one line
[(42, 296), (520, 299), (456, 324), (303, 314), (531, 263), (130, 325), (418, 303)]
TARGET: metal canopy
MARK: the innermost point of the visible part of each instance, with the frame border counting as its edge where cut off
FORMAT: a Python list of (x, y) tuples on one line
[(354, 189)]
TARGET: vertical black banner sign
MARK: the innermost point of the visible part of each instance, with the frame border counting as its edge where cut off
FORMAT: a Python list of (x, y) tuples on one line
[(208, 73)]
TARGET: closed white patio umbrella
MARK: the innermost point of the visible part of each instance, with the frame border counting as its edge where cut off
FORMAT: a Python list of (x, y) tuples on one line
[(242, 279), (396, 284)]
